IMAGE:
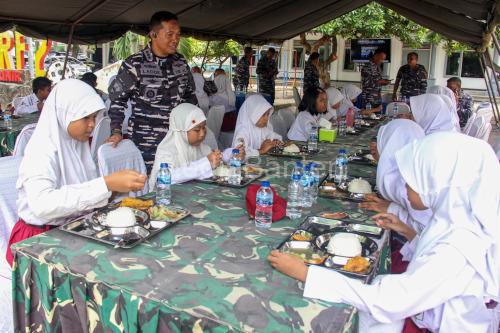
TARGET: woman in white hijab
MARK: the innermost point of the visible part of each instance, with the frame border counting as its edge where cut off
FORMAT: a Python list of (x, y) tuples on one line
[(253, 128), (58, 178), (201, 95), (351, 93), (184, 149), (451, 101), (225, 95), (335, 97), (312, 108), (455, 268), (432, 113)]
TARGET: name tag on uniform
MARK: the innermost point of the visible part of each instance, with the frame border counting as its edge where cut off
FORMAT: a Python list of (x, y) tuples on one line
[(150, 68), (179, 67)]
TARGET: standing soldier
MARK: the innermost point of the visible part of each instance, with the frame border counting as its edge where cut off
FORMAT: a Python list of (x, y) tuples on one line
[(413, 78), (311, 73), (241, 75), (372, 81), (463, 100), (267, 69), (156, 79)]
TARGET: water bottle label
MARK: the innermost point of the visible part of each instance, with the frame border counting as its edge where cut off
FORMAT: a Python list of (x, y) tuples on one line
[(340, 162), (263, 200), (163, 180), (236, 163)]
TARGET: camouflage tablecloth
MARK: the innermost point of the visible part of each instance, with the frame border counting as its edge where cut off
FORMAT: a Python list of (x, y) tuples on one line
[(8, 138), (208, 273)]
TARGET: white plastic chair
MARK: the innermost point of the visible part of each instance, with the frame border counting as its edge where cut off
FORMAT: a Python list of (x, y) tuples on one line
[(402, 108), (22, 139), (225, 140), (288, 115), (215, 118), (278, 123), (210, 140), (102, 132), (124, 156), (470, 121), (296, 96), (476, 126)]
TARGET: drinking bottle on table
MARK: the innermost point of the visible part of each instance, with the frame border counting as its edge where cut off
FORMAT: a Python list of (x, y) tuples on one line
[(235, 168), (163, 182), (312, 142), (314, 181), (7, 120), (306, 184), (295, 193), (264, 206), (395, 110), (341, 167), (298, 169)]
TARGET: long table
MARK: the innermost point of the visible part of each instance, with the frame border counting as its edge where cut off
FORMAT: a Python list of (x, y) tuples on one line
[(8, 138), (207, 273)]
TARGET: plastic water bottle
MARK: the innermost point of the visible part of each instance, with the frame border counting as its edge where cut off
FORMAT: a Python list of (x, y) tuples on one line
[(235, 168), (295, 193), (368, 106), (357, 123), (315, 182), (306, 184), (312, 142), (163, 182), (342, 128), (395, 110), (264, 206), (341, 167), (7, 121), (298, 169)]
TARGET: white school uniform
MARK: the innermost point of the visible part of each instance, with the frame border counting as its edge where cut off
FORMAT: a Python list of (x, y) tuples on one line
[(334, 97), (432, 113), (58, 177), (302, 126), (455, 266), (29, 104), (350, 92), (450, 101)]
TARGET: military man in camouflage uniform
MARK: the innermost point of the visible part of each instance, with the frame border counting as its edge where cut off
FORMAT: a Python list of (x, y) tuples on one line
[(464, 101), (267, 69), (372, 81), (413, 78), (156, 80), (311, 73), (241, 75)]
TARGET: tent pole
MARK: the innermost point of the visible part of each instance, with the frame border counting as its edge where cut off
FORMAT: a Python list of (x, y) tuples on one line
[(493, 69), (70, 41), (489, 88)]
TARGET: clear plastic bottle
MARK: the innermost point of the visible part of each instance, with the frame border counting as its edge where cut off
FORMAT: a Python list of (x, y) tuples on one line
[(295, 193), (341, 167), (264, 206), (342, 128), (235, 168), (368, 106), (312, 141), (314, 181), (395, 110), (7, 120), (298, 169), (306, 184), (163, 182)]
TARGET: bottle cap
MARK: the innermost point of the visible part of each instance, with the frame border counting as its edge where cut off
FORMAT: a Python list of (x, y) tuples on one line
[(236, 151), (265, 184), (299, 163), (163, 165), (313, 164), (296, 177), (307, 167), (342, 151)]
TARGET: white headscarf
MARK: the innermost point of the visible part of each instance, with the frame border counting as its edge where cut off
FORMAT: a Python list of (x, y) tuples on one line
[(334, 97), (201, 95), (51, 145), (175, 149), (457, 177), (432, 113), (224, 89), (349, 92), (392, 137), (249, 114), (450, 101)]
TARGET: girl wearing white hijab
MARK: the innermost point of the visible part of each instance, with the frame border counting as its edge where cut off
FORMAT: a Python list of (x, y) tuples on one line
[(225, 94), (253, 128), (312, 108), (455, 268), (432, 113), (335, 97), (201, 95), (451, 101), (57, 176), (351, 93)]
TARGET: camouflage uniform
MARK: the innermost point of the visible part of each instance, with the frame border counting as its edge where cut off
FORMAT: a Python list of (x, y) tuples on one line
[(311, 76), (413, 82), (464, 107), (370, 74), (267, 71), (154, 86), (241, 75)]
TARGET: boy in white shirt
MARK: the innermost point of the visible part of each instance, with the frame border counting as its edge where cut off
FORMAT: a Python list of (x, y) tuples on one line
[(34, 102)]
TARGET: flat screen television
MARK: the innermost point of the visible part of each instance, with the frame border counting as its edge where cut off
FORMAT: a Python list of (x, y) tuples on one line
[(363, 49)]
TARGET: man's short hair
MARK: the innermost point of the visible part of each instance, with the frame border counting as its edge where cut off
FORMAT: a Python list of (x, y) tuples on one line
[(159, 17), (195, 69), (314, 56), (272, 50), (379, 51), (89, 78), (412, 54), (40, 83), (455, 80), (248, 50)]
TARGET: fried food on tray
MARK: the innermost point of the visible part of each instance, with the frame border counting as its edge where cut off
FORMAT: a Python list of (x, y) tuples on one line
[(334, 215), (136, 203), (162, 213), (357, 264)]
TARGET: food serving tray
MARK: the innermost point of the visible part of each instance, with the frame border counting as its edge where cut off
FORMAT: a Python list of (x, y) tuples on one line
[(304, 153), (249, 174), (310, 241), (332, 190), (359, 156), (147, 226)]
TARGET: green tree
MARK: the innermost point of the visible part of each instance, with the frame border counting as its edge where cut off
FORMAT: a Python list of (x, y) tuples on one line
[(218, 51), (127, 45)]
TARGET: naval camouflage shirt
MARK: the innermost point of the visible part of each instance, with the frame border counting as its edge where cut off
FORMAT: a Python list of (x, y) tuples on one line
[(413, 82), (311, 76), (154, 87), (371, 73), (464, 107), (267, 69), (241, 74)]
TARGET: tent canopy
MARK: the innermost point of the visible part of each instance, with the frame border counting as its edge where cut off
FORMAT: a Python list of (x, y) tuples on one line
[(256, 21)]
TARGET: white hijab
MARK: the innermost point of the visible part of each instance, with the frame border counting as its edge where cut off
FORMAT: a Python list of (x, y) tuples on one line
[(51, 145), (392, 137), (432, 113), (457, 177), (249, 114), (349, 92), (450, 101), (224, 89), (201, 95), (334, 97)]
